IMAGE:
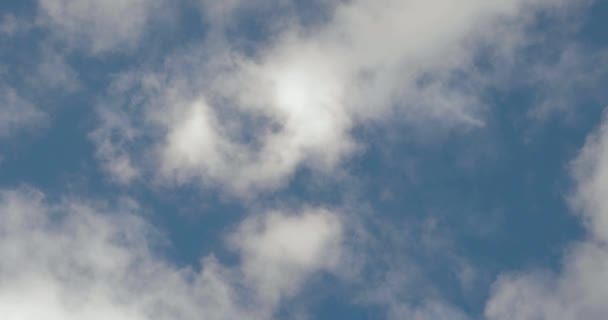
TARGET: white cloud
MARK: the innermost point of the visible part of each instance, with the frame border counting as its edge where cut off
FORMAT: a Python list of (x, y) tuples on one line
[(76, 260), (578, 290), (278, 249), (245, 122)]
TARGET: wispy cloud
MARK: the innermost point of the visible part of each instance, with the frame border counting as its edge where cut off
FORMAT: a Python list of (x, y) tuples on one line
[(17, 114), (100, 26)]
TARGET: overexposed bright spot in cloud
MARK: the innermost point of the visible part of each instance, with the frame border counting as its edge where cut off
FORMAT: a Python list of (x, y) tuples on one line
[(308, 93)]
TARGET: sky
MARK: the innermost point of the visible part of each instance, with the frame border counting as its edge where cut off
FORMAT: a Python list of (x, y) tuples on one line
[(290, 159)]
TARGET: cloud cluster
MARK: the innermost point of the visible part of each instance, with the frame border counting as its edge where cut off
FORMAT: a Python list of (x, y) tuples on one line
[(246, 122), (578, 290), (81, 260)]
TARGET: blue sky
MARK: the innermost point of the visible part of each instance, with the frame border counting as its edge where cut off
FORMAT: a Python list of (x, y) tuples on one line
[(284, 159)]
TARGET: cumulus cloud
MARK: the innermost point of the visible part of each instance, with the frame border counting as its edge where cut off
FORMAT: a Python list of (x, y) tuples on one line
[(219, 116), (78, 260), (578, 290)]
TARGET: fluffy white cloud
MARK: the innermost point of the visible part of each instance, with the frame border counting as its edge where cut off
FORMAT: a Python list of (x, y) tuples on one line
[(579, 290), (100, 26), (76, 260), (219, 116), (278, 249)]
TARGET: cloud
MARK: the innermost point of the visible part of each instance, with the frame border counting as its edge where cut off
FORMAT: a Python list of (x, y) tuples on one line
[(31, 83), (591, 172), (17, 114), (53, 73), (572, 80), (397, 267), (245, 121), (114, 132), (278, 249), (100, 26), (75, 259), (578, 290), (222, 117), (10, 25)]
